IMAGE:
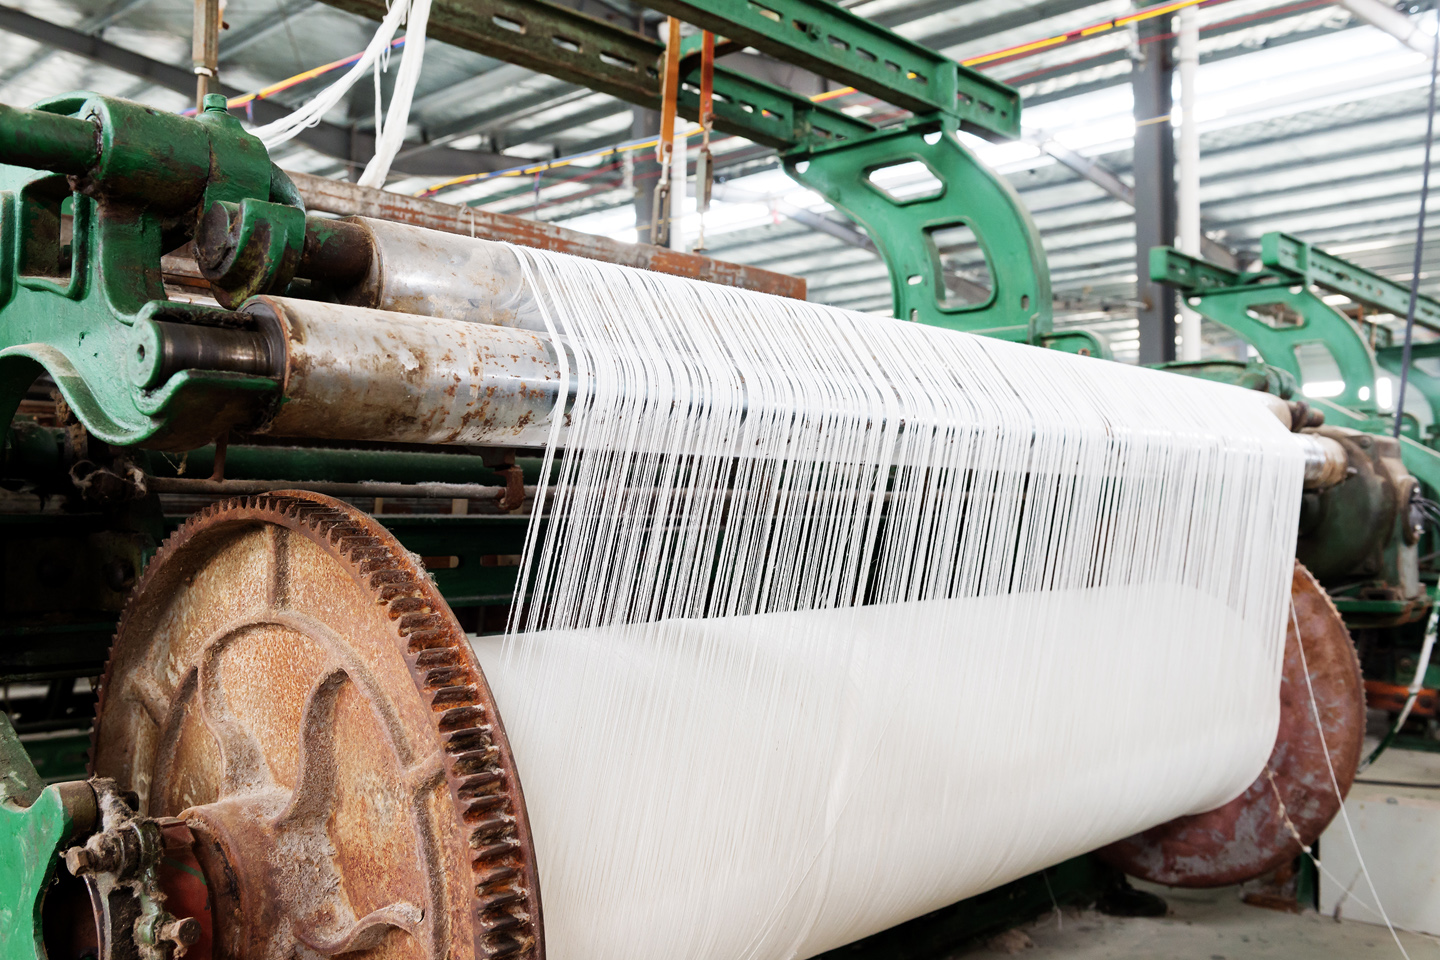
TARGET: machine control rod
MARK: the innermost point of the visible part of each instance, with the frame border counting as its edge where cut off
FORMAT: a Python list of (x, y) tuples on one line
[(47, 141)]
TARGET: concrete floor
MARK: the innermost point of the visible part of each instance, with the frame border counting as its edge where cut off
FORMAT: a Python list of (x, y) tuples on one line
[(1202, 925), (1216, 925)]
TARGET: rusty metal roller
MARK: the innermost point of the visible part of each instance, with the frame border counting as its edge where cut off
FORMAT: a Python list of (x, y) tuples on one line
[(1256, 832), (288, 683)]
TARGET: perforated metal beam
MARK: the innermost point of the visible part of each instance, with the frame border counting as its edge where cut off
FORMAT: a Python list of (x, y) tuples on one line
[(829, 40), (594, 53)]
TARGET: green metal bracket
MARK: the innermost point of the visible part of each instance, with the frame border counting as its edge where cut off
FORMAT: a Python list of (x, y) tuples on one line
[(126, 183), (36, 823), (1392, 359), (1277, 312), (265, 243), (908, 231)]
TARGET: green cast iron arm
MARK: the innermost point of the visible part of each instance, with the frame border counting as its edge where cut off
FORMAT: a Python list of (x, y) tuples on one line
[(1392, 358), (36, 823), (1276, 311)]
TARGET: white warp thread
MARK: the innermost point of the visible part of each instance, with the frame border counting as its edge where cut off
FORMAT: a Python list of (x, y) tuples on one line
[(836, 620)]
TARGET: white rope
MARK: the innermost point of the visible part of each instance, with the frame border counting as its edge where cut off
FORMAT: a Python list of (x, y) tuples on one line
[(1335, 785), (391, 133), (391, 136), (835, 620)]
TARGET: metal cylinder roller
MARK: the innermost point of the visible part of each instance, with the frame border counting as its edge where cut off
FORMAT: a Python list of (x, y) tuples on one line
[(1326, 462), (352, 373), (433, 274)]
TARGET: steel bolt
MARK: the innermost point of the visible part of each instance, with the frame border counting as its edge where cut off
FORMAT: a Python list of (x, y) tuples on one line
[(79, 860), (215, 103), (184, 931)]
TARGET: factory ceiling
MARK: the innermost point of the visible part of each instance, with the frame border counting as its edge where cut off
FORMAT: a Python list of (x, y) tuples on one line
[(1311, 122)]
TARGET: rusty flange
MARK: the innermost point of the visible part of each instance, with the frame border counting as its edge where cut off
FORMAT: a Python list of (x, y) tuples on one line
[(288, 681), (1248, 836)]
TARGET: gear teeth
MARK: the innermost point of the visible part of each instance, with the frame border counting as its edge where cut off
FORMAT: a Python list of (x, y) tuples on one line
[(408, 604), (436, 657), (444, 676), (506, 949), (491, 782), (458, 718), (497, 901), (446, 697), (482, 807), (489, 805), (485, 882)]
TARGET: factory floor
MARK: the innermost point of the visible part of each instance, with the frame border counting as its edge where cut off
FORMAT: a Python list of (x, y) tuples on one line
[(1202, 925), (1390, 819)]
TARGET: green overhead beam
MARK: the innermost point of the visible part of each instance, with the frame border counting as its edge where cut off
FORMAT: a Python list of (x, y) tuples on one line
[(768, 114), (594, 53), (544, 37), (829, 40)]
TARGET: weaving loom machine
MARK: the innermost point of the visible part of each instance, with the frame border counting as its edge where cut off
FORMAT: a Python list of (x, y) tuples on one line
[(357, 360)]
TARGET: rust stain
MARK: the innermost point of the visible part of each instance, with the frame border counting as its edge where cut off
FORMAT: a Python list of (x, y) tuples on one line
[(348, 199), (325, 733)]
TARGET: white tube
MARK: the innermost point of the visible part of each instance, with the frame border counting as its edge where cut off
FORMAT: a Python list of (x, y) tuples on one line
[(1188, 162), (1390, 20), (275, 133)]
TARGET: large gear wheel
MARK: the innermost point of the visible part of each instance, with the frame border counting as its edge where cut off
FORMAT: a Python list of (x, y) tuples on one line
[(1295, 797), (287, 681)]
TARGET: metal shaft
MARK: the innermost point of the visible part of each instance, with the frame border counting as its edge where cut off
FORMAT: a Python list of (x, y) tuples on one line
[(47, 141), (357, 374), (425, 272)]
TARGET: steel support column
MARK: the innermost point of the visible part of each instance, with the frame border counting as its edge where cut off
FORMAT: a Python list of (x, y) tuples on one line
[(644, 123), (1151, 75)]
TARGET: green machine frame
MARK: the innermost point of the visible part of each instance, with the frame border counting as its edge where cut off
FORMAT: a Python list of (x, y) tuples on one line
[(1279, 309)]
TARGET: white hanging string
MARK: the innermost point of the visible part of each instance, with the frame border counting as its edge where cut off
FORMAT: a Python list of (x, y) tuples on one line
[(835, 620), (1335, 785), (390, 136), (390, 132)]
